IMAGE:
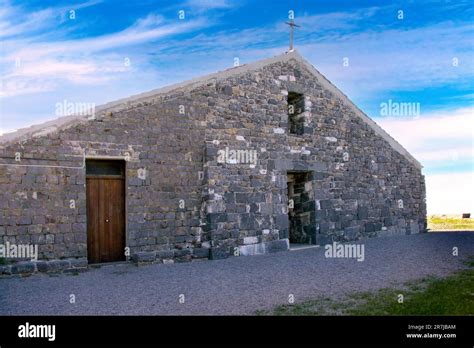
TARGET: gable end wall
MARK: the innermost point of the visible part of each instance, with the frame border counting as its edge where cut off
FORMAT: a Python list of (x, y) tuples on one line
[(357, 180)]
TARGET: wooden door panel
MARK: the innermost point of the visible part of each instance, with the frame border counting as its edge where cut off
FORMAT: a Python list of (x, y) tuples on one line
[(106, 219), (92, 192), (117, 219)]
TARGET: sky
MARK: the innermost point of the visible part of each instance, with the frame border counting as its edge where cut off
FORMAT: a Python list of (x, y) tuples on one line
[(408, 65)]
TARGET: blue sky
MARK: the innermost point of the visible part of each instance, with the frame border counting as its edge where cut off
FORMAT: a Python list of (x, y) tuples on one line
[(423, 55)]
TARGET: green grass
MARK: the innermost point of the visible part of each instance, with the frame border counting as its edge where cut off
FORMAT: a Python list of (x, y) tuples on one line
[(4, 261), (450, 222), (453, 295), (75, 273)]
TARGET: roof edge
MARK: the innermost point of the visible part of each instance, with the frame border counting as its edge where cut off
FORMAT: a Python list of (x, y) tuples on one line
[(67, 121), (377, 129)]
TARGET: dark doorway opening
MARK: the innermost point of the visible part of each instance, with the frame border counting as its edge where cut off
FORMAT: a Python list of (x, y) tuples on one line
[(301, 208), (105, 184)]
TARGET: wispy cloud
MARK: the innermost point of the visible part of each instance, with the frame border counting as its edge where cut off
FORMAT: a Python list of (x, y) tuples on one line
[(390, 58), (340, 20), (408, 58), (43, 64), (206, 5), (16, 21), (146, 29)]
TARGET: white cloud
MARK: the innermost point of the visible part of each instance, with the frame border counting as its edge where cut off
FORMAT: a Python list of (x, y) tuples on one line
[(206, 5), (33, 22), (409, 58), (437, 137), (146, 29), (48, 74), (422, 54), (47, 65), (19, 86), (441, 140), (333, 20), (380, 59), (15, 21), (449, 154), (450, 193)]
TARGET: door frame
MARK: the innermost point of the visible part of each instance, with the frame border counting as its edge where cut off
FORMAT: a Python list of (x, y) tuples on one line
[(125, 159)]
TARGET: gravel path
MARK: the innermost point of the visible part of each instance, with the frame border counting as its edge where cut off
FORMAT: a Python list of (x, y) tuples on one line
[(238, 285)]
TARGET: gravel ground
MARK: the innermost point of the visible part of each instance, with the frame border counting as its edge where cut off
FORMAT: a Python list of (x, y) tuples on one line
[(238, 285)]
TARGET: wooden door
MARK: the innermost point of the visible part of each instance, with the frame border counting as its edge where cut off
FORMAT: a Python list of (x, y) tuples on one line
[(105, 217)]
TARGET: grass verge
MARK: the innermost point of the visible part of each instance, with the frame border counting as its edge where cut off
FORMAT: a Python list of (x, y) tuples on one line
[(449, 222), (453, 295)]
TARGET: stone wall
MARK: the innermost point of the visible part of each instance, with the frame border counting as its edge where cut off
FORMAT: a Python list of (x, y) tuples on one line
[(224, 149), (162, 211), (362, 186)]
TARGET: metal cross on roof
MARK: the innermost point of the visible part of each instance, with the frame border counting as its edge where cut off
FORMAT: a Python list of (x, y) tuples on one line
[(292, 25)]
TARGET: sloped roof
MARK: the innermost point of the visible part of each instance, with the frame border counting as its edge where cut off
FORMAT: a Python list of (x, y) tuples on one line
[(67, 121)]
